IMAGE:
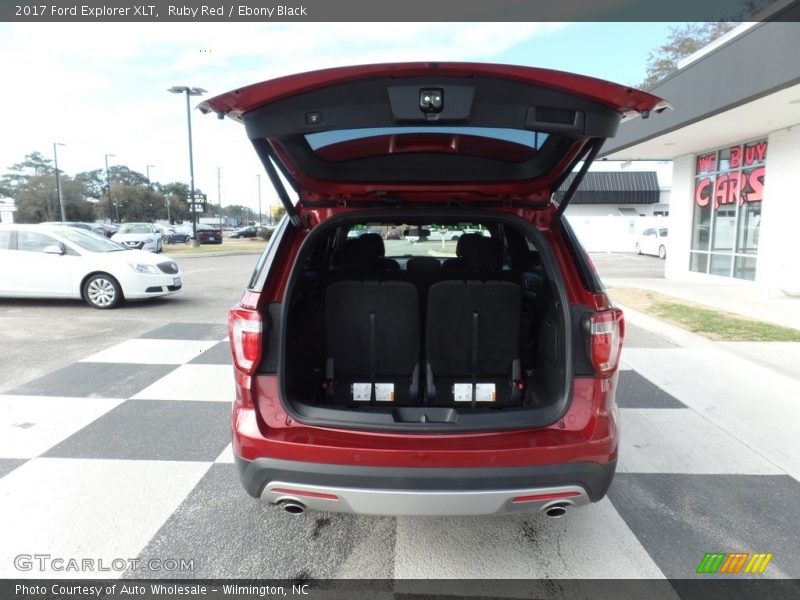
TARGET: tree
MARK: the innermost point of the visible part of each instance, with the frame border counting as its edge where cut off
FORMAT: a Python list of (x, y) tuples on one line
[(32, 184), (94, 183), (683, 41)]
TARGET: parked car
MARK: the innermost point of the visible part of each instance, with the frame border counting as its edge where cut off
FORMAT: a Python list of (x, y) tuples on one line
[(250, 231), (139, 236), (479, 384), (208, 234), (653, 240), (58, 261), (394, 234), (178, 235), (107, 228), (93, 227)]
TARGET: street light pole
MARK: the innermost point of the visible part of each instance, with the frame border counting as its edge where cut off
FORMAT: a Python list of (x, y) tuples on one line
[(219, 197), (151, 213), (193, 91), (108, 187), (58, 181)]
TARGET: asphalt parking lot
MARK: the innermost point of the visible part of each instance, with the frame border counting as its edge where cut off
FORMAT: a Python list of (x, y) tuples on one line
[(39, 336), (114, 444), (627, 264)]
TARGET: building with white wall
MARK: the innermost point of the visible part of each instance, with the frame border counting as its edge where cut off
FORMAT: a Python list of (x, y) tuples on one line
[(734, 139)]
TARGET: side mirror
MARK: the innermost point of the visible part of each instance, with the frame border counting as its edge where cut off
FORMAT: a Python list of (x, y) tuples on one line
[(54, 249)]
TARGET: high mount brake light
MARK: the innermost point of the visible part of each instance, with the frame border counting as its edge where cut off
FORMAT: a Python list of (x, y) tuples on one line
[(607, 331)]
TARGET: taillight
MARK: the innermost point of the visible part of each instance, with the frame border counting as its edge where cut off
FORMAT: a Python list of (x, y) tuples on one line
[(244, 329), (607, 331)]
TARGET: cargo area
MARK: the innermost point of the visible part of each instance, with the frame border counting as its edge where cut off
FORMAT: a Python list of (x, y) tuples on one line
[(424, 322)]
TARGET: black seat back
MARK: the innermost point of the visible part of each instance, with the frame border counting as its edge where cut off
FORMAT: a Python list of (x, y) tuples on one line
[(472, 343), (372, 335), (473, 328)]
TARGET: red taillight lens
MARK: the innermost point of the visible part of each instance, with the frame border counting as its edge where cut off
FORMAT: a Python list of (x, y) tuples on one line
[(245, 329), (607, 331)]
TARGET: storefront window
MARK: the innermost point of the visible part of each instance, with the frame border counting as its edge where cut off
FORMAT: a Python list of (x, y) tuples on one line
[(701, 232), (728, 190), (749, 224)]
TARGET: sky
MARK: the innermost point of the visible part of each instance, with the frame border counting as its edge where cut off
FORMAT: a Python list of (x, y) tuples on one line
[(101, 88)]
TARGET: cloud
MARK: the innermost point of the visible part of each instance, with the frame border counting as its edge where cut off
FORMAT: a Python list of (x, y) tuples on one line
[(101, 87)]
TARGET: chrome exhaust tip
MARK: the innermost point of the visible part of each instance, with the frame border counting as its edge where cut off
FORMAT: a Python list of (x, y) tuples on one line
[(292, 507), (556, 511)]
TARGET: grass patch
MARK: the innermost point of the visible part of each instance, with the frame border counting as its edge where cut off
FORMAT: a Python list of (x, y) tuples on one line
[(709, 322), (225, 246)]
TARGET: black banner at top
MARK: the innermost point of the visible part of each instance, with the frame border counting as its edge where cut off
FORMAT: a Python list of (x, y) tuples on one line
[(150, 11)]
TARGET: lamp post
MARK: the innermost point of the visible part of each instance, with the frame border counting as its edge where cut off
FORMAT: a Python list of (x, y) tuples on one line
[(258, 176), (108, 187), (58, 181), (190, 91), (219, 196), (149, 188)]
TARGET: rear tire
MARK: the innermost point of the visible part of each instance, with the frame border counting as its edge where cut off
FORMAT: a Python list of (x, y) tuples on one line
[(638, 249), (187, 240), (662, 253), (102, 291)]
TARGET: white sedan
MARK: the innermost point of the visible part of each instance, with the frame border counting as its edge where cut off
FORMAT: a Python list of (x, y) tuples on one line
[(56, 261), (139, 236), (653, 240)]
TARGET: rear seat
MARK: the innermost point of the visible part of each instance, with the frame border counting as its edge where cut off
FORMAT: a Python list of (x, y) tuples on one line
[(466, 311), (372, 342), (477, 258), (472, 343)]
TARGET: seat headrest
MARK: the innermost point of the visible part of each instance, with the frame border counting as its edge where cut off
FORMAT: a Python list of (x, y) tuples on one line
[(482, 253), (363, 252), (464, 241), (373, 243)]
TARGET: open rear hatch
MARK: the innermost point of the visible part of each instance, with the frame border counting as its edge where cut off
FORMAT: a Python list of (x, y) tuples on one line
[(428, 132), (383, 341)]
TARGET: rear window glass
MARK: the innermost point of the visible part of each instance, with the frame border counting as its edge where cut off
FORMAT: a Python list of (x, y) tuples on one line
[(531, 139), (432, 239)]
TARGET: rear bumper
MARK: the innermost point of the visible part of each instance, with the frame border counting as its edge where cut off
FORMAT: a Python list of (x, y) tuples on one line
[(425, 491)]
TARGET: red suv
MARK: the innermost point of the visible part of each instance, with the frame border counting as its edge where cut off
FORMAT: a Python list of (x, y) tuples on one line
[(433, 377)]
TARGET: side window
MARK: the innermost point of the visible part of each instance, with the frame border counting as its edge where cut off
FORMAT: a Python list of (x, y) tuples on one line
[(649, 232), (5, 238), (33, 241)]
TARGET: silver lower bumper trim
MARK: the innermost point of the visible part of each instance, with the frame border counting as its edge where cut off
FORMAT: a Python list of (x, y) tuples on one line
[(425, 503)]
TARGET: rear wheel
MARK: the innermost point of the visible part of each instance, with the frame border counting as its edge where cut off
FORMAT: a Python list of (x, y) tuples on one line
[(102, 291), (662, 252), (638, 248), (187, 240)]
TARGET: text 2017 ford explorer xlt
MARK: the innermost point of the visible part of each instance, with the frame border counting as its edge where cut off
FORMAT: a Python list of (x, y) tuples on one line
[(464, 364)]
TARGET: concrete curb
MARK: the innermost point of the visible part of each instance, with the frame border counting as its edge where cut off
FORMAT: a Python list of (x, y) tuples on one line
[(778, 357), (678, 335)]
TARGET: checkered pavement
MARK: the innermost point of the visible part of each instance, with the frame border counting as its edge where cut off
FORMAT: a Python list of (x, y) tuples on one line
[(126, 454)]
